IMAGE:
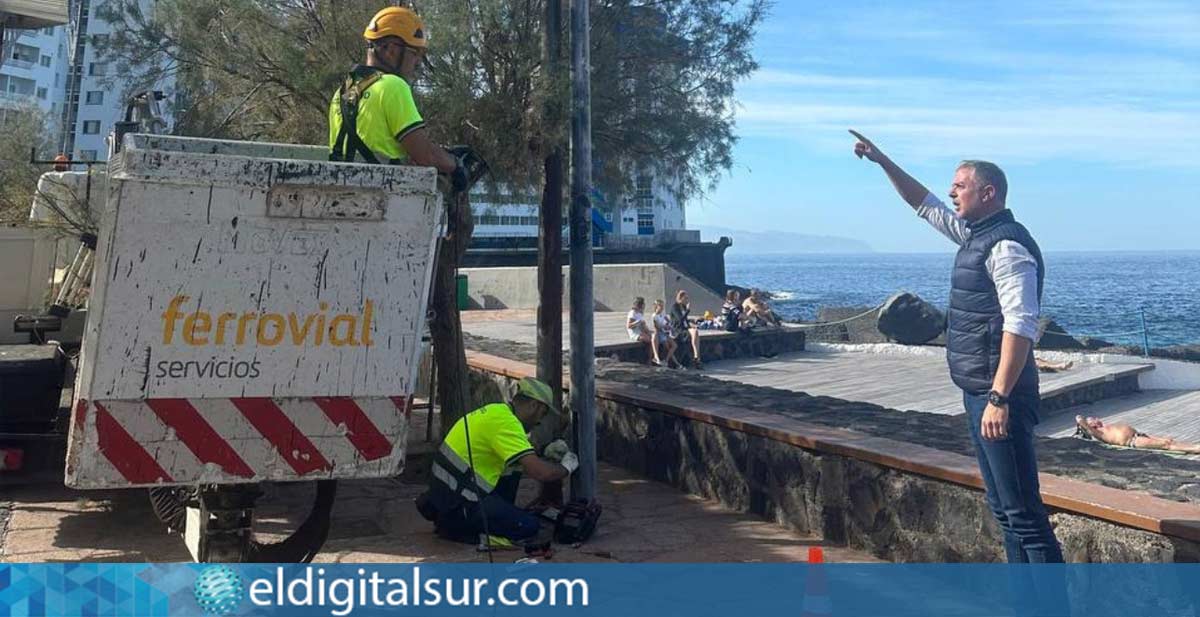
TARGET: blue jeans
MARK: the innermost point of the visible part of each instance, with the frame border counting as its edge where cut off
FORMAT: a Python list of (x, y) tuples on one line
[(1009, 470), (504, 518)]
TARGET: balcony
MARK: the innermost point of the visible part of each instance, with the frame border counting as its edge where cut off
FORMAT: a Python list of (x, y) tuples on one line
[(9, 99), (31, 14), (19, 64)]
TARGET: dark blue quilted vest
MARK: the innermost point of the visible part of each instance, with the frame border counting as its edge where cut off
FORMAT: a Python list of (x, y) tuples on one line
[(974, 323)]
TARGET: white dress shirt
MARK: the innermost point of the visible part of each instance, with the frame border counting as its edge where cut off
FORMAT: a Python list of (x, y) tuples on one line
[(1010, 266)]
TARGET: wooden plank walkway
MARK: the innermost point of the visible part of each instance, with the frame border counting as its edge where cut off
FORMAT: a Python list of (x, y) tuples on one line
[(906, 382), (1166, 413), (898, 381)]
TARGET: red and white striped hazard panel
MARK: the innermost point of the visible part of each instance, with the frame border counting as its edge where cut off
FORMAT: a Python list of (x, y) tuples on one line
[(124, 443)]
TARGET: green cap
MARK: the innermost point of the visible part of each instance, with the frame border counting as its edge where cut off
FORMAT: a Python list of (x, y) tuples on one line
[(537, 390)]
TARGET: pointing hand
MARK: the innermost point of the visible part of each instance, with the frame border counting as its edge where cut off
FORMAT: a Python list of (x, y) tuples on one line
[(864, 148)]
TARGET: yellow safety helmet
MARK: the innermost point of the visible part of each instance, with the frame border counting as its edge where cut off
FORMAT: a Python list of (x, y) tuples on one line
[(399, 22)]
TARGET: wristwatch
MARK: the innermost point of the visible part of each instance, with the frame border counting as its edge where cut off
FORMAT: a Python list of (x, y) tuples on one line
[(997, 399)]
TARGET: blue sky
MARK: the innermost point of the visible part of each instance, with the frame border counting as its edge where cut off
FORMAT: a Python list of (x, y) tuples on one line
[(1091, 107)]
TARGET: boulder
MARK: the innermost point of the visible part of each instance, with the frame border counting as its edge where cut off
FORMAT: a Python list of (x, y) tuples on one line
[(906, 318), (861, 330), (1187, 353), (1054, 336)]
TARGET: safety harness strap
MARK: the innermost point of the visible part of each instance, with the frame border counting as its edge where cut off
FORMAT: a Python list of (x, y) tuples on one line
[(348, 143)]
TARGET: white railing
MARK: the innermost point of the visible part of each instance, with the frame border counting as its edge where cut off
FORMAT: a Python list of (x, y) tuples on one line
[(20, 64), (17, 98)]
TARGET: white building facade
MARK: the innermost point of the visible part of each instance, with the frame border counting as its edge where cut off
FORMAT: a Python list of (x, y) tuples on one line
[(94, 97), (650, 211), (32, 74), (61, 70)]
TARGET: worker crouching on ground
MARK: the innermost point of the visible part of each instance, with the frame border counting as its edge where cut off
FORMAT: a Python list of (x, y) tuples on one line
[(493, 440)]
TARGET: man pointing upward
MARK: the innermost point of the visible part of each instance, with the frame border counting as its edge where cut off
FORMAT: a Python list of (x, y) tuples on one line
[(995, 296)]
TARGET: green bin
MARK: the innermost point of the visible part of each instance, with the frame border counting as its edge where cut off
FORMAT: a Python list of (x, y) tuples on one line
[(464, 301)]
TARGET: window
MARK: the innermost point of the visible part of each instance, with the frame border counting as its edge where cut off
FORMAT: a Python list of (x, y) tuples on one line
[(91, 127), (18, 85), (87, 155), (645, 224), (96, 69), (45, 60), (99, 40), (95, 97), (41, 93), (25, 54)]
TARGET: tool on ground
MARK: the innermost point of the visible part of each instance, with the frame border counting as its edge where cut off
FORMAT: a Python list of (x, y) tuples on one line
[(574, 522)]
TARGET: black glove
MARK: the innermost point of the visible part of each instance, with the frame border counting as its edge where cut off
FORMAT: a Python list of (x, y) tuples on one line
[(459, 181)]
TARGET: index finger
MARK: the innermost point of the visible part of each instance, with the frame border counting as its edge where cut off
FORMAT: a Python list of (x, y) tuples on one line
[(859, 136)]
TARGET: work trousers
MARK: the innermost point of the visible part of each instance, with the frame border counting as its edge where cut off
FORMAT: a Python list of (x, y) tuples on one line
[(503, 517)]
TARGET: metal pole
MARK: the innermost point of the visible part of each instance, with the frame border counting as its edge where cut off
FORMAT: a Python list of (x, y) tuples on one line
[(549, 317), (1145, 334), (583, 387)]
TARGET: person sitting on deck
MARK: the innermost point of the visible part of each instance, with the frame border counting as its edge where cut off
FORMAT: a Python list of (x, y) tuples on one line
[(732, 316), (685, 328), (1126, 436), (639, 330), (709, 322), (758, 312), (664, 337), (477, 470)]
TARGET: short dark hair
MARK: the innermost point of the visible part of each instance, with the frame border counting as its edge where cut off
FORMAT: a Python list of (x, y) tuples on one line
[(988, 173)]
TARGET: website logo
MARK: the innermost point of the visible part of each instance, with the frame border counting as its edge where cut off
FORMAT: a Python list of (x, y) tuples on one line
[(219, 590)]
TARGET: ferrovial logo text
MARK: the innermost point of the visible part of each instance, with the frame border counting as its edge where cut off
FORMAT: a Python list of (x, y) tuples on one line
[(200, 327), (311, 588)]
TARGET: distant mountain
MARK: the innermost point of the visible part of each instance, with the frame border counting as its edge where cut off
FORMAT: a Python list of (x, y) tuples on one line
[(760, 242)]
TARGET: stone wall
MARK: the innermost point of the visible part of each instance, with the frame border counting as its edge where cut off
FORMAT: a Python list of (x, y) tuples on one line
[(892, 514), (614, 287)]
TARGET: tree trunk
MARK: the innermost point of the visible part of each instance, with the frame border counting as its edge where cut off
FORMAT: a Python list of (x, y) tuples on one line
[(446, 327)]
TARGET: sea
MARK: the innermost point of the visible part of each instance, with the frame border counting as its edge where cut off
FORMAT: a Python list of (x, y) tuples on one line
[(1095, 294)]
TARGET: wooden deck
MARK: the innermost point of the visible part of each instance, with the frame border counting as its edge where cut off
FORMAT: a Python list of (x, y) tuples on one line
[(907, 382), (899, 381), (1166, 413)]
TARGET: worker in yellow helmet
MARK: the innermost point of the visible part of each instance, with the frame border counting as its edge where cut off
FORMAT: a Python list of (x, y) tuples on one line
[(373, 116), (475, 472)]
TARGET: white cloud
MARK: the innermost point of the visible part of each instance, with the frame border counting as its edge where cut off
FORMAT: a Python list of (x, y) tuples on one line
[(1094, 133)]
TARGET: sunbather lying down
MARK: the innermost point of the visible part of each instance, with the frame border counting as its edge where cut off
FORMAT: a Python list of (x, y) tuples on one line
[(1129, 437), (1047, 366)]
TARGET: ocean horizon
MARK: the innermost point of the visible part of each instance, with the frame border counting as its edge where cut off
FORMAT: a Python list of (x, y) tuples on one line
[(1089, 293)]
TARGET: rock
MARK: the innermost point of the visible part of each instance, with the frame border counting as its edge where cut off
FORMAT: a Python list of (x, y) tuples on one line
[(1092, 343), (906, 318), (1054, 336), (1187, 353), (861, 330)]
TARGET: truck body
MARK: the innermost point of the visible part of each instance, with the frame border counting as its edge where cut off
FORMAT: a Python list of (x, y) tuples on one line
[(255, 315)]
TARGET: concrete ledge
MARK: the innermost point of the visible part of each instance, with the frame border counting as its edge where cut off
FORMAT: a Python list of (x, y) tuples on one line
[(1091, 391), (718, 346), (846, 485)]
